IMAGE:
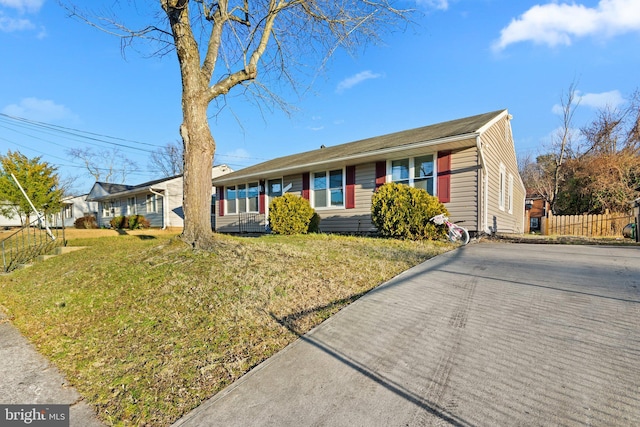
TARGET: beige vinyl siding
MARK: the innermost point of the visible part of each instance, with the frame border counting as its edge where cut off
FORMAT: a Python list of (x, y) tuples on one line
[(230, 223), (358, 219), (499, 150), (464, 188)]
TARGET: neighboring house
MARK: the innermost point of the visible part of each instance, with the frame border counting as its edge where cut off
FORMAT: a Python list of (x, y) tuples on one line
[(159, 201), (12, 219), (469, 164), (536, 208), (74, 207)]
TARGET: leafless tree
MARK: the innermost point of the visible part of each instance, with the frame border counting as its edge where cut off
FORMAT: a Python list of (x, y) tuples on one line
[(230, 43), (104, 165), (168, 159), (561, 144)]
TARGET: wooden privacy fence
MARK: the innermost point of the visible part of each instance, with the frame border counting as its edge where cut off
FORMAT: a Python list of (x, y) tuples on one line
[(604, 225)]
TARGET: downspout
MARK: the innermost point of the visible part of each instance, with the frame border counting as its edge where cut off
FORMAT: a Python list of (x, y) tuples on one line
[(165, 216), (485, 188)]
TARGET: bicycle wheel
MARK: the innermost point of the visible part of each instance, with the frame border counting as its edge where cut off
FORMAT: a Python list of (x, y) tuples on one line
[(458, 234)]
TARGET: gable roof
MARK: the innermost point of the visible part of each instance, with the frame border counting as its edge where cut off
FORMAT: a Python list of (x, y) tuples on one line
[(105, 190), (368, 148)]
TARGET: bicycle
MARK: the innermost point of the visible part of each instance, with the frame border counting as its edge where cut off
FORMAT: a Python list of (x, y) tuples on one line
[(456, 233)]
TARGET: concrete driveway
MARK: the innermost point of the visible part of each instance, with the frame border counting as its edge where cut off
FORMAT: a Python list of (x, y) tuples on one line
[(493, 334)]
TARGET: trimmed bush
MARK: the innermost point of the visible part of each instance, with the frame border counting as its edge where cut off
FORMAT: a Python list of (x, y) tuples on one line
[(132, 222), (86, 222), (403, 212), (118, 222), (290, 214), (137, 221)]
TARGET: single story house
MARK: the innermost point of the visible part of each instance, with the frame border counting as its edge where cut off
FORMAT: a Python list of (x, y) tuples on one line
[(159, 201), (73, 207), (469, 164)]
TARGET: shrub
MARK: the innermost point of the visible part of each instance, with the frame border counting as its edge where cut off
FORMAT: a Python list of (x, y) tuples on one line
[(290, 214), (137, 221), (131, 222), (86, 222), (403, 212), (314, 224), (117, 222)]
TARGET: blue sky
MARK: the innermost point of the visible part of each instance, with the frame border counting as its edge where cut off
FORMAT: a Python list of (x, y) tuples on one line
[(461, 58)]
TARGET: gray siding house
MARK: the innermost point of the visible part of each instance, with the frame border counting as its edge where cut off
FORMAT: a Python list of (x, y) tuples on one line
[(159, 201), (469, 164), (73, 207)]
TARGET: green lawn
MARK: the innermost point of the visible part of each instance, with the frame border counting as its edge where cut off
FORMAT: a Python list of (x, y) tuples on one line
[(146, 328)]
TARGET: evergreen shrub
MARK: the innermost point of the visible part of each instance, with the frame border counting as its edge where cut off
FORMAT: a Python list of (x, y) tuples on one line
[(290, 214), (86, 222), (403, 212), (131, 222)]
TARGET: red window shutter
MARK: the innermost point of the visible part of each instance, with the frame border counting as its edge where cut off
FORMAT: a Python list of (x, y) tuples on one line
[(305, 185), (261, 198), (381, 173), (350, 201), (444, 176), (220, 191)]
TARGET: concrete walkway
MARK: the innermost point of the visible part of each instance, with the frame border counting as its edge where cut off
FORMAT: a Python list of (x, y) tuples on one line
[(27, 378), (491, 334)]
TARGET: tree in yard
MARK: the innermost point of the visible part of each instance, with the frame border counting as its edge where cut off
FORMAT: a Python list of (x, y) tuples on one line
[(168, 159), (38, 179), (561, 143), (227, 44), (104, 165), (600, 174)]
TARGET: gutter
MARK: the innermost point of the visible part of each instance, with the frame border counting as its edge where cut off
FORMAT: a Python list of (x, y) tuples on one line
[(165, 216), (484, 214)]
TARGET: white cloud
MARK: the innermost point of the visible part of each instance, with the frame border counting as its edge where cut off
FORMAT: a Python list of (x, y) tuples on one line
[(30, 6), (41, 110), (8, 25), (611, 99), (356, 79), (434, 4), (556, 24)]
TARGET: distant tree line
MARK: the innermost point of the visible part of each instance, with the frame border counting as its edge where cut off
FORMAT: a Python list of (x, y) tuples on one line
[(593, 169)]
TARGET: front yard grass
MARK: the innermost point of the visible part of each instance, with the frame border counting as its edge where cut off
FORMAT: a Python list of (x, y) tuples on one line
[(146, 328)]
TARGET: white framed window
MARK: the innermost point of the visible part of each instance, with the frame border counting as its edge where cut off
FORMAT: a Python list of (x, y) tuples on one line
[(68, 211), (108, 209), (510, 201), (152, 203), (416, 172), (242, 198), (274, 188), (231, 198), (502, 187), (327, 189), (131, 206)]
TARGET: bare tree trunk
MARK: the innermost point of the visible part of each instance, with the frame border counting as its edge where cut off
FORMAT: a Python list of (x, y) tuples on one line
[(199, 147)]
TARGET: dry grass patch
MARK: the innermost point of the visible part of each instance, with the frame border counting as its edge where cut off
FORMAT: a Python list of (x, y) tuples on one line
[(146, 328)]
